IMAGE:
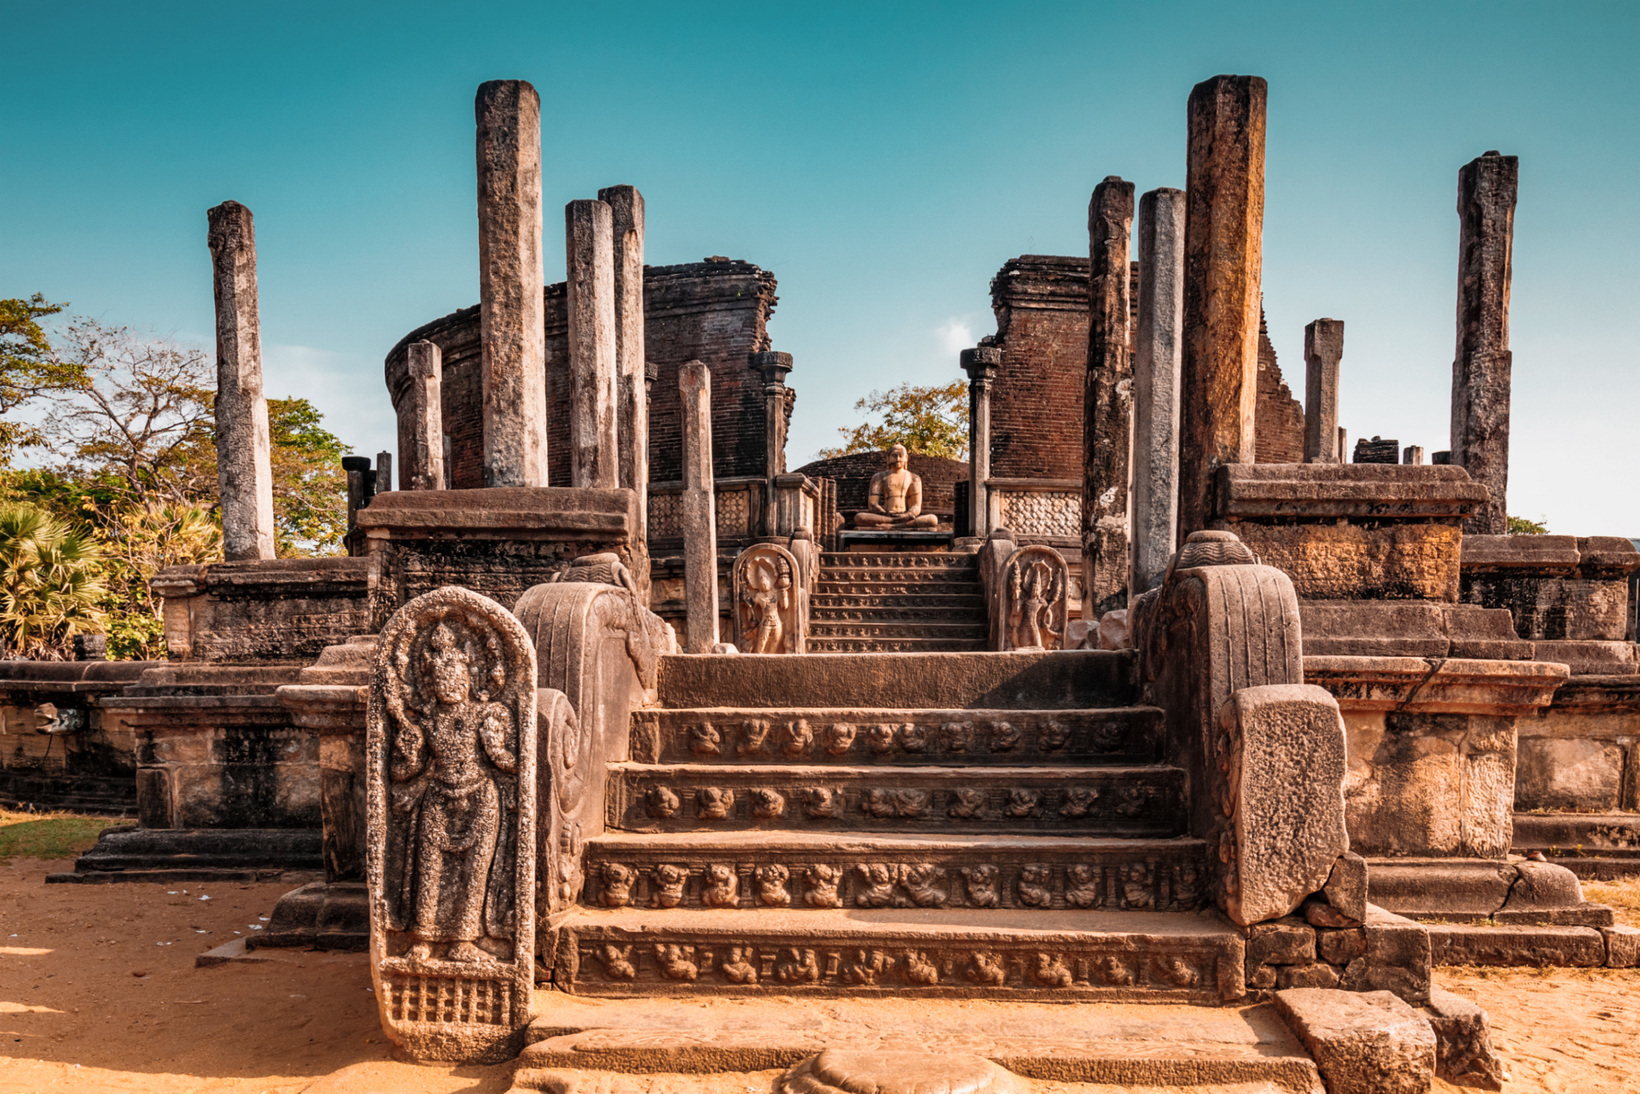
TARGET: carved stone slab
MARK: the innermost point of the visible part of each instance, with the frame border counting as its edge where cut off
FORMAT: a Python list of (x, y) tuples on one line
[(451, 783), (770, 606), (1116, 735), (1031, 597)]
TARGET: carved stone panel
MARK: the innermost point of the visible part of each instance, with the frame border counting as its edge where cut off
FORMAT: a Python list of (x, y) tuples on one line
[(1029, 600), (451, 747), (770, 605)]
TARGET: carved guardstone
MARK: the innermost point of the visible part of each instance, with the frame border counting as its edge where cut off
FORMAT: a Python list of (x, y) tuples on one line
[(1030, 600), (451, 754), (770, 603)]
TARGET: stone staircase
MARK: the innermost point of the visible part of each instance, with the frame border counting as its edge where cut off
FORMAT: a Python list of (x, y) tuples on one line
[(998, 825), (897, 601)]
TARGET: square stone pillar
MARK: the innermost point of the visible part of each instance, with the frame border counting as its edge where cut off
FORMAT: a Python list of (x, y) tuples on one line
[(589, 228), (424, 464), (1224, 230), (1481, 369), (631, 389), (1107, 416), (243, 464), (1156, 385), (981, 364), (384, 472), (512, 327), (772, 367), (1323, 348), (697, 517)]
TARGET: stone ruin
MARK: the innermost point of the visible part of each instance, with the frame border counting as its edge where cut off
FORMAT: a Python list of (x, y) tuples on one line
[(1156, 700)]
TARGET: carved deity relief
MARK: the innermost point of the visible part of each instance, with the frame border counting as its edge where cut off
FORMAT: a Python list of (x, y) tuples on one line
[(1030, 600), (769, 601), (452, 755)]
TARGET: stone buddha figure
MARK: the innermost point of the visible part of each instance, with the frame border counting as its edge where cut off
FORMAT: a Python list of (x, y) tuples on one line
[(895, 498)]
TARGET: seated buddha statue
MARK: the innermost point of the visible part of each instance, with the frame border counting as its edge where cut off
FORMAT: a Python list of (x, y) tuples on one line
[(895, 498)]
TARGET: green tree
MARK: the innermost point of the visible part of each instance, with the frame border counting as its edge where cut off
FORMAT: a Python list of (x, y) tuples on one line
[(930, 421), (136, 546), (28, 367), (1520, 526), (51, 584), (309, 485)]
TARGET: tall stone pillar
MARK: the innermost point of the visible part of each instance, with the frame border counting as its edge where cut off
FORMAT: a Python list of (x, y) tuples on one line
[(696, 510), (424, 464), (1223, 254), (1156, 384), (512, 327), (589, 229), (1481, 369), (631, 389), (384, 472), (1107, 430), (1323, 349), (981, 364), (243, 467), (772, 367)]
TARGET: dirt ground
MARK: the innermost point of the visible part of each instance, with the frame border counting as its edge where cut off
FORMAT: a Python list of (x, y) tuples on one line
[(99, 992)]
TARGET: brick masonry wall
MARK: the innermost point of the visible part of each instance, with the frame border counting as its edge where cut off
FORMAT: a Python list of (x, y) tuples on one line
[(715, 311), (1278, 418)]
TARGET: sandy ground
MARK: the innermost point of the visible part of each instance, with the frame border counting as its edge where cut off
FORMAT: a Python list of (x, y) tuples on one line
[(99, 992)]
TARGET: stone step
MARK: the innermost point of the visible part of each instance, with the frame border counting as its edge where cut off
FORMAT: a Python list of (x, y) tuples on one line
[(870, 629), (947, 602), (1244, 1049), (994, 954), (922, 613), (873, 735), (897, 645), (895, 587), (897, 560), (768, 871), (1029, 680), (1121, 801)]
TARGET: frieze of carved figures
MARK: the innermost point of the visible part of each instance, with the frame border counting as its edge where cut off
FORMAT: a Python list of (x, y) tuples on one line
[(1093, 970), (451, 781), (1031, 598), (770, 601)]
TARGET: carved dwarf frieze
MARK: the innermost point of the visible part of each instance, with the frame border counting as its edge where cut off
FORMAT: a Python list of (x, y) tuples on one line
[(1030, 599), (452, 808), (770, 601)]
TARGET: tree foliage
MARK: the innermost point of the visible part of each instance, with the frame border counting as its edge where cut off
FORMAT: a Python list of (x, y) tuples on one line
[(1520, 526), (28, 367), (51, 584), (930, 421)]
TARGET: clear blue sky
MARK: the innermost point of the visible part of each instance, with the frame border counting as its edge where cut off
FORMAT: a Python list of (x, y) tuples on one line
[(882, 159)]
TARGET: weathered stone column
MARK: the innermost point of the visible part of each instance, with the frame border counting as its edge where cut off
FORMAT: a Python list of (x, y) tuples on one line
[(631, 389), (510, 289), (1323, 348), (589, 229), (981, 364), (697, 510), (384, 472), (772, 367), (1481, 369), (1413, 455), (424, 464), (1107, 432), (1223, 248), (243, 468), (1156, 385)]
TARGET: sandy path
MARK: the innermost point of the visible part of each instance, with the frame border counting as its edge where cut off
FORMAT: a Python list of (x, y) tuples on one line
[(76, 1016)]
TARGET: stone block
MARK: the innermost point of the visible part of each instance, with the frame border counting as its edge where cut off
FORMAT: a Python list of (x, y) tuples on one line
[(1537, 947), (1313, 975), (1288, 942), (1318, 913), (1338, 561), (1543, 885), (1622, 947), (1580, 775), (1363, 1042), (1448, 888), (1463, 1045), (1346, 887), (1341, 947), (1398, 955), (1586, 657), (1286, 744)]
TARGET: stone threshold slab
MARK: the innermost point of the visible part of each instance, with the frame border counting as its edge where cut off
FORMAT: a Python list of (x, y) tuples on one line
[(1158, 1045)]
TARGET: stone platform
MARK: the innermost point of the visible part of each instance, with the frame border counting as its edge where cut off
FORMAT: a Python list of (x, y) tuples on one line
[(1245, 1049)]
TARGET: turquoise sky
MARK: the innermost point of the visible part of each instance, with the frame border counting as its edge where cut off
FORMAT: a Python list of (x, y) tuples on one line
[(881, 159)]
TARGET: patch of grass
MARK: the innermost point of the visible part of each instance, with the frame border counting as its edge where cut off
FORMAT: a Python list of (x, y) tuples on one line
[(1623, 895), (48, 835)]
